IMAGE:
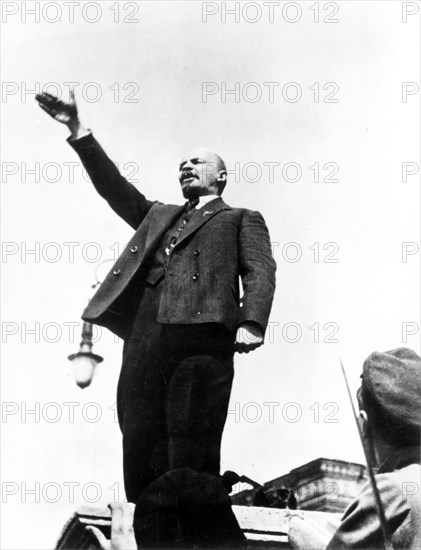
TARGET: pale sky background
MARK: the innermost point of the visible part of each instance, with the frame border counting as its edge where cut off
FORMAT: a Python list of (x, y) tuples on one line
[(368, 294)]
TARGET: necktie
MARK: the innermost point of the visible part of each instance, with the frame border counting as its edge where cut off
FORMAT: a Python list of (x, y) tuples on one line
[(189, 211), (191, 205)]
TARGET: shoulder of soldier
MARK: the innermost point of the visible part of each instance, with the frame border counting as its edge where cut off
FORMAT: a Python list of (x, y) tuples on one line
[(399, 493), (397, 490)]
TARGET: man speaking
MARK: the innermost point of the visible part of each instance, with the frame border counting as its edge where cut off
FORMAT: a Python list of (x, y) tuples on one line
[(173, 296)]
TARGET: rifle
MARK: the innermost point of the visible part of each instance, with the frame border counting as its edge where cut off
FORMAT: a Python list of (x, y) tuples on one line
[(379, 506)]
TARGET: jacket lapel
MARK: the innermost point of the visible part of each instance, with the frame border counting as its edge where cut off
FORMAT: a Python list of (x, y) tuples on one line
[(162, 219), (202, 216)]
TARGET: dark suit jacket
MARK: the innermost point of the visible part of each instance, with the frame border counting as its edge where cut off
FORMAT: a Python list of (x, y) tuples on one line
[(219, 245)]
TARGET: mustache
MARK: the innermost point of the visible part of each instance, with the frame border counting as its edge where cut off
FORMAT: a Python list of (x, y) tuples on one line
[(187, 175)]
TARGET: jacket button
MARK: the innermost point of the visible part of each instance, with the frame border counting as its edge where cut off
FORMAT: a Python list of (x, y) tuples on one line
[(116, 272), (195, 276), (134, 249), (196, 252)]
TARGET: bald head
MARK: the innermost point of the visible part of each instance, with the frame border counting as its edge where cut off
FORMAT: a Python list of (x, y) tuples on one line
[(202, 172), (207, 155)]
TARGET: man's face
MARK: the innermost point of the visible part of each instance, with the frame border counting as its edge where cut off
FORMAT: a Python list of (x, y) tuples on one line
[(199, 171)]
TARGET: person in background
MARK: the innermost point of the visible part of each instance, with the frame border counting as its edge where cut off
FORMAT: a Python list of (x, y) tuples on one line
[(390, 419)]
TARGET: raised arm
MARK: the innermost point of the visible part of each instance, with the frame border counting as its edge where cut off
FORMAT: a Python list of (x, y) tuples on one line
[(127, 201)]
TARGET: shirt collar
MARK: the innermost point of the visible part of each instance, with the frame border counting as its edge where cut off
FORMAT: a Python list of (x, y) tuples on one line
[(205, 199)]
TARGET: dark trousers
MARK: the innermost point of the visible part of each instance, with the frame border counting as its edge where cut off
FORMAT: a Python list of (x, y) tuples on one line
[(173, 396)]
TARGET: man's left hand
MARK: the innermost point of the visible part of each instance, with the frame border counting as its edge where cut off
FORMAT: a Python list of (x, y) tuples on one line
[(249, 337)]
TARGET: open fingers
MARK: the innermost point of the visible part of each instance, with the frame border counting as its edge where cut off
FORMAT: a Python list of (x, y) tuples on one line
[(47, 99), (51, 105), (49, 110), (50, 96)]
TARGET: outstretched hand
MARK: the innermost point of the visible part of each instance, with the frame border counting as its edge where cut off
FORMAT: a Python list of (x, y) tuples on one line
[(63, 111)]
